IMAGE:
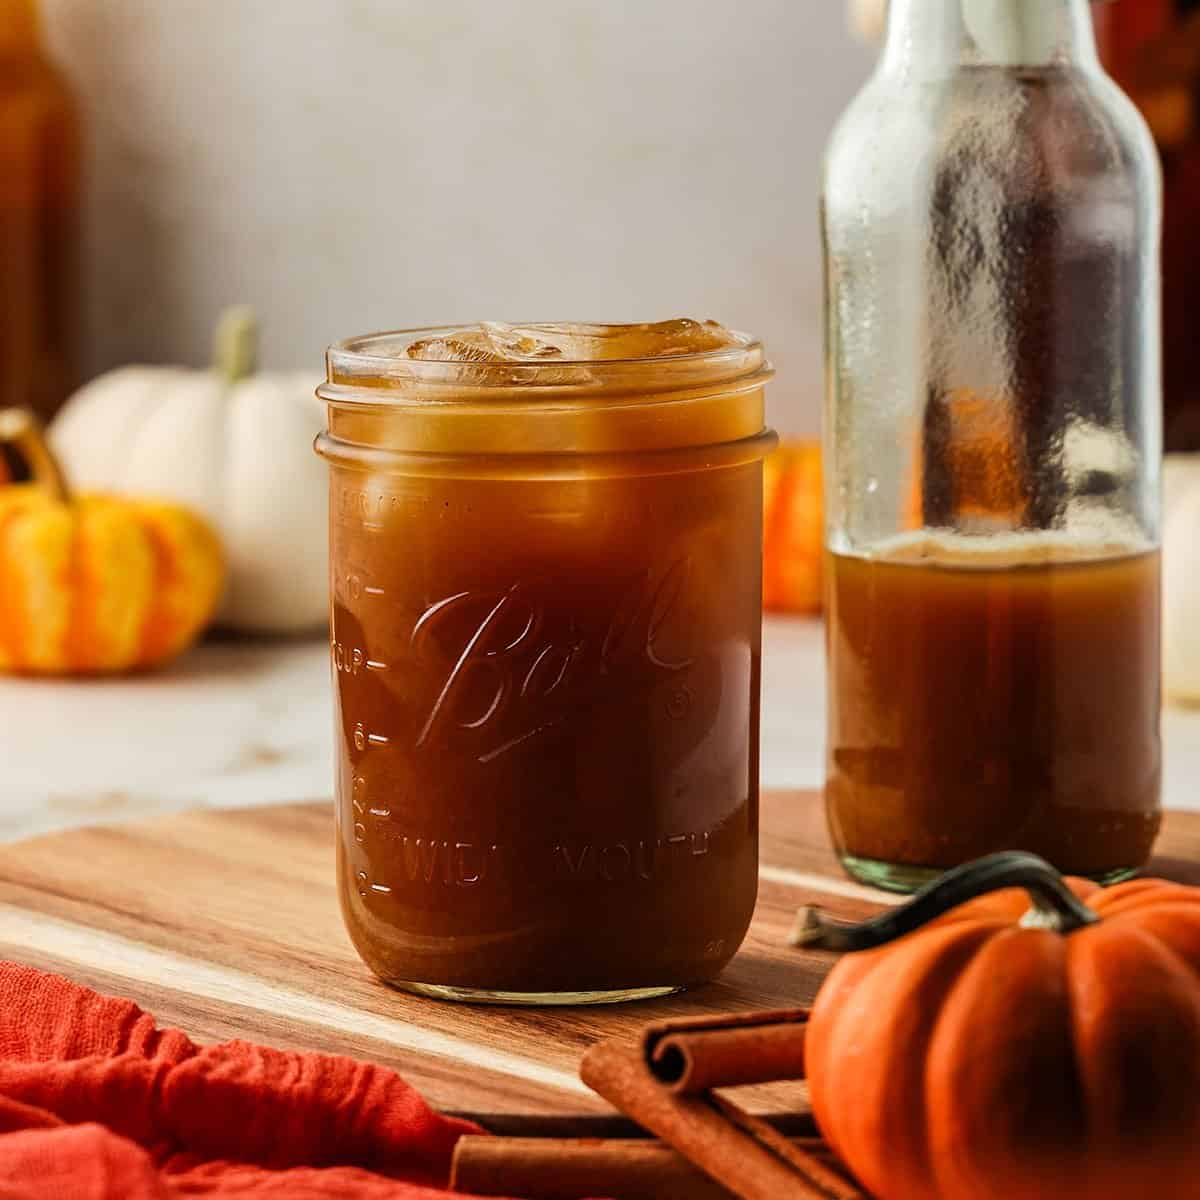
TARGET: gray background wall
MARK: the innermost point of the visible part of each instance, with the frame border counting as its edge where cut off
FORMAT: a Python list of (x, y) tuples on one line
[(347, 165)]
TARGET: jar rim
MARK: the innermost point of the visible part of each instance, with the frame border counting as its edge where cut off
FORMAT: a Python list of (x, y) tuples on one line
[(378, 362)]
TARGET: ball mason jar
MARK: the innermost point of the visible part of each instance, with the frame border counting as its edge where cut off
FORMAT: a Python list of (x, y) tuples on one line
[(546, 630), (991, 213)]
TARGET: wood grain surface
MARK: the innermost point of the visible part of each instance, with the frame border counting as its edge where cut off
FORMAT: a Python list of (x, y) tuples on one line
[(225, 924)]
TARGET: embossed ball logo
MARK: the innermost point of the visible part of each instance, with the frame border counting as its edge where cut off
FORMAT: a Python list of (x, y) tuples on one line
[(518, 665)]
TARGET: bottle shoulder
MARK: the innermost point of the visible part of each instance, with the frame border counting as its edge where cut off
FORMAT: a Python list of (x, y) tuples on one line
[(1049, 129)]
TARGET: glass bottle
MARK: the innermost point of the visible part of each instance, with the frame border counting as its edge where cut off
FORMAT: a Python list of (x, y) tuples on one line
[(991, 218), (39, 218)]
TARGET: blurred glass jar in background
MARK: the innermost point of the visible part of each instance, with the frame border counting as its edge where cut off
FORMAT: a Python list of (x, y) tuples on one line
[(546, 559), (39, 218), (991, 218)]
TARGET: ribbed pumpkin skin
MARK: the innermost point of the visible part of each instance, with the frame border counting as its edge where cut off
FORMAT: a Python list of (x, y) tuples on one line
[(977, 1060), (793, 532), (100, 585)]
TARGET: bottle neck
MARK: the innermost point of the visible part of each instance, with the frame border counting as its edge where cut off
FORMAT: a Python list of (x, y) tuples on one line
[(937, 36), (19, 26)]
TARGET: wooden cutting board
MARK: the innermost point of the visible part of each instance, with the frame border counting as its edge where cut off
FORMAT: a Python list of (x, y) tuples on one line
[(225, 924)]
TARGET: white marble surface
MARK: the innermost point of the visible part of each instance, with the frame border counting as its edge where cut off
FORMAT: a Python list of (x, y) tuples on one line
[(239, 723)]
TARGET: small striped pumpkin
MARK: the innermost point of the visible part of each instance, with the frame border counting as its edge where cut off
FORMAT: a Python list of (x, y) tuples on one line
[(793, 529), (96, 584)]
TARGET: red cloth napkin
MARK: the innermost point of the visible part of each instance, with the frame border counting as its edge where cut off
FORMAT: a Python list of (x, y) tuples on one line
[(97, 1103)]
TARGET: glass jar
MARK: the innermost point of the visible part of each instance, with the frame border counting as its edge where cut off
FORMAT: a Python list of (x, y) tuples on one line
[(39, 219), (546, 638), (991, 219)]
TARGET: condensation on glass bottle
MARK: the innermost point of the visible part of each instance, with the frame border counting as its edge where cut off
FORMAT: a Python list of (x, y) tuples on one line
[(991, 218)]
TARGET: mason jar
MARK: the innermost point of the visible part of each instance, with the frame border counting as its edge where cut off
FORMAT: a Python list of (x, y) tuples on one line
[(991, 218), (545, 640)]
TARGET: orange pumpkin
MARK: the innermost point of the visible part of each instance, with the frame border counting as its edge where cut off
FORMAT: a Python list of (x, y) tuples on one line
[(793, 529), (1003, 1052), (95, 584)]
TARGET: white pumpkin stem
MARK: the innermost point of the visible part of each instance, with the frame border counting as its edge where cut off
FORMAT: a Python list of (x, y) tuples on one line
[(235, 343), (1055, 906), (21, 429)]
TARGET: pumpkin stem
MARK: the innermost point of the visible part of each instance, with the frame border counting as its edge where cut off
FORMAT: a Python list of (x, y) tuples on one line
[(1055, 906), (235, 343), (20, 429)]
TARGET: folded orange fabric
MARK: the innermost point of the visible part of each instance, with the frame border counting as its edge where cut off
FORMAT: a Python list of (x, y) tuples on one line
[(97, 1103)]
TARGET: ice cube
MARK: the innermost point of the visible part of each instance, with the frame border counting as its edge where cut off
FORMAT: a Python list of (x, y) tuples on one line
[(492, 342), (494, 354), (495, 342), (662, 339), (467, 346), (665, 339), (519, 344)]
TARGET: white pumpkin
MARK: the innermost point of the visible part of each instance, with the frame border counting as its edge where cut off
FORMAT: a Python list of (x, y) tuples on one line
[(234, 446), (1181, 577)]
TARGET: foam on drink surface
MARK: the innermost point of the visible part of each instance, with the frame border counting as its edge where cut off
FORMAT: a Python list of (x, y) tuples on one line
[(997, 551)]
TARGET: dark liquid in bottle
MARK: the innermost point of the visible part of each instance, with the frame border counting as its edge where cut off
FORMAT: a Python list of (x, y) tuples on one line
[(985, 701)]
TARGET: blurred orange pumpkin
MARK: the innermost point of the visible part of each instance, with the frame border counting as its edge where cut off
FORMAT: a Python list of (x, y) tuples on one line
[(793, 529), (96, 584)]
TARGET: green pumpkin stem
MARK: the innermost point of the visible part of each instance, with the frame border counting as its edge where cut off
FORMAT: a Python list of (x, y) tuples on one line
[(21, 429), (1055, 906), (235, 344)]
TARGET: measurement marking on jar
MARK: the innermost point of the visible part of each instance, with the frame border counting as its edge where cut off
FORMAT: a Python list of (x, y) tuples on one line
[(363, 739), (355, 589), (373, 664), (382, 889)]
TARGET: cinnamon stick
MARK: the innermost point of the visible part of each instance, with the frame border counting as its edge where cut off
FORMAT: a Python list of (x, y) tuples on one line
[(822, 1169), (568, 1168), (699, 1053), (540, 1169), (734, 1156)]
